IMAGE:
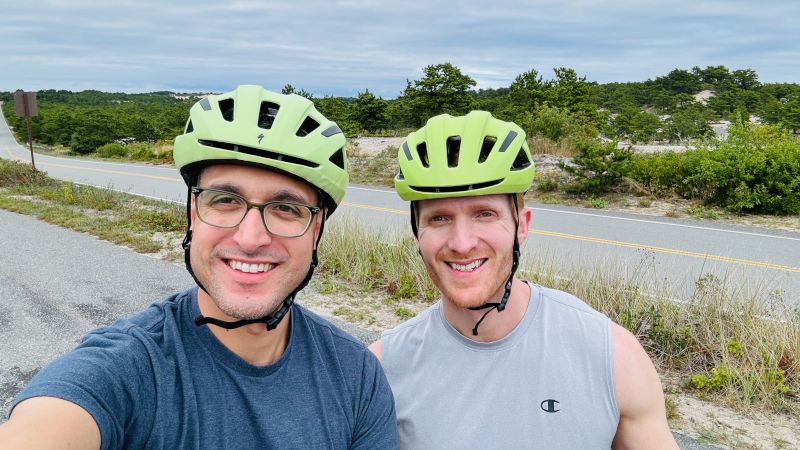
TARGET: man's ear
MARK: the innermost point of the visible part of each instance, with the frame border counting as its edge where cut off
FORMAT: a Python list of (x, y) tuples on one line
[(525, 216), (317, 225)]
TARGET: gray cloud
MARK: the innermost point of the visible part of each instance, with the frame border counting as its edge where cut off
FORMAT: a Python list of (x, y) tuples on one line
[(343, 47)]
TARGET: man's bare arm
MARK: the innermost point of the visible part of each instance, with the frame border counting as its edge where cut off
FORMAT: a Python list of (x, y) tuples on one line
[(49, 423), (643, 421)]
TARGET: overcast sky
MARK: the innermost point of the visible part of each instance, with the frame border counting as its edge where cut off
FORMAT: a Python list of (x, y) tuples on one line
[(343, 47)]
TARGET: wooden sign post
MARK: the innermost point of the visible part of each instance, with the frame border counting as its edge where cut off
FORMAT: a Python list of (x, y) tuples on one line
[(25, 106)]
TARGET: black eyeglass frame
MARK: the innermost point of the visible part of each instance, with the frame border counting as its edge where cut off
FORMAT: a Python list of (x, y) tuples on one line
[(314, 210)]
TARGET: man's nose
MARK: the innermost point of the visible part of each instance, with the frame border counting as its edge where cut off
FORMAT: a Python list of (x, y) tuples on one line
[(251, 233), (463, 239)]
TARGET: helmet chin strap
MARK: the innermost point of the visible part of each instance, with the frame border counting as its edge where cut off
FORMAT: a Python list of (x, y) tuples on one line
[(272, 320)]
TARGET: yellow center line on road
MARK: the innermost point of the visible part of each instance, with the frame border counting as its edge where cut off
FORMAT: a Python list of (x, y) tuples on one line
[(670, 251), (118, 172), (375, 208)]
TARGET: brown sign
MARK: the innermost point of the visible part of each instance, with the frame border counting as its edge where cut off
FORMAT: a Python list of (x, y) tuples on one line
[(25, 104)]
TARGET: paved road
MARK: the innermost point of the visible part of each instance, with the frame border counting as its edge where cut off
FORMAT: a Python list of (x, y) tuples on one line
[(59, 284), (678, 251)]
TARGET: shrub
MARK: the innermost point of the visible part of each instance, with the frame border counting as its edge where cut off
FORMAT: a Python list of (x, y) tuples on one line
[(756, 170), (598, 166), (15, 173), (112, 150), (597, 203)]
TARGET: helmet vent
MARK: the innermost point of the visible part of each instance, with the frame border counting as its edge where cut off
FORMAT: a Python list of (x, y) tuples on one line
[(338, 158), (266, 114), (307, 127), (422, 151), (521, 161), (189, 126), (453, 150), (508, 140), (258, 152), (486, 148), (462, 188), (226, 108)]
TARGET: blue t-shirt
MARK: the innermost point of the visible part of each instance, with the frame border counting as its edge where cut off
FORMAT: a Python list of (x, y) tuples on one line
[(156, 380)]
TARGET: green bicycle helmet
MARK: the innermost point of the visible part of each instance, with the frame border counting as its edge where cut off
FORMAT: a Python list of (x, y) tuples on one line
[(463, 156), (253, 126)]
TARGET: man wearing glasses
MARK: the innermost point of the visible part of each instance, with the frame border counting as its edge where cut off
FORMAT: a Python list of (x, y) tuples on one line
[(233, 363)]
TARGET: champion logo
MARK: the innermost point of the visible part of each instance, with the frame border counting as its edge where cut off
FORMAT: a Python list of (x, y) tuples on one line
[(550, 406)]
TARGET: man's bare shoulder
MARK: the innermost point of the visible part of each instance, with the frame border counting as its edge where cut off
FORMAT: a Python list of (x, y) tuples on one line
[(643, 421)]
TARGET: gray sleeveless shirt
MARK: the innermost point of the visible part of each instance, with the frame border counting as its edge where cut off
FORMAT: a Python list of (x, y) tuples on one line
[(548, 384)]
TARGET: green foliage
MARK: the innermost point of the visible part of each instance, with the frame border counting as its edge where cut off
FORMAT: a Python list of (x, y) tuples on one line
[(680, 82), (87, 120), (112, 150), (565, 109), (551, 122), (370, 111), (735, 348), (598, 167), (547, 183), (569, 90), (16, 173), (597, 203), (338, 110), (637, 125), (688, 122), (719, 378), (756, 170), (289, 89), (529, 91), (701, 212), (443, 89), (403, 313)]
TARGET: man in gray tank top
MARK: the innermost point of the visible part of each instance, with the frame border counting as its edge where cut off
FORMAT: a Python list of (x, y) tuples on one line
[(498, 362)]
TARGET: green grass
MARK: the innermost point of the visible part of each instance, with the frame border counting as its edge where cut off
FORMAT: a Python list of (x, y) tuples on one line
[(113, 216)]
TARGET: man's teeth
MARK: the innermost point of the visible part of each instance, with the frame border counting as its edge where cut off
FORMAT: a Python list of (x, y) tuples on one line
[(249, 268), (467, 267)]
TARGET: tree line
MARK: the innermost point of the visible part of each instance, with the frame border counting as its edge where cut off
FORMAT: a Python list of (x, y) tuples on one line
[(565, 106)]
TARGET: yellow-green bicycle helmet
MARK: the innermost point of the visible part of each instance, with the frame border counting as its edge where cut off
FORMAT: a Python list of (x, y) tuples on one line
[(462, 156), (251, 125)]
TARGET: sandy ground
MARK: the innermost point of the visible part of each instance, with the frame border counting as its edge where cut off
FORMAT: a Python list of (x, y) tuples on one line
[(374, 145)]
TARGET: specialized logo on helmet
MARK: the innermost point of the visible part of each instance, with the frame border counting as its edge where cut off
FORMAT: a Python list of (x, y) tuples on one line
[(549, 405), (260, 137)]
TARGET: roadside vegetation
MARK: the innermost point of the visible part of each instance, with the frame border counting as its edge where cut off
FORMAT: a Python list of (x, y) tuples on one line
[(721, 344), (586, 127)]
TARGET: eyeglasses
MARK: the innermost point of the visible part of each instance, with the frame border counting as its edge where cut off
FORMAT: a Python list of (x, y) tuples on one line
[(227, 210)]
